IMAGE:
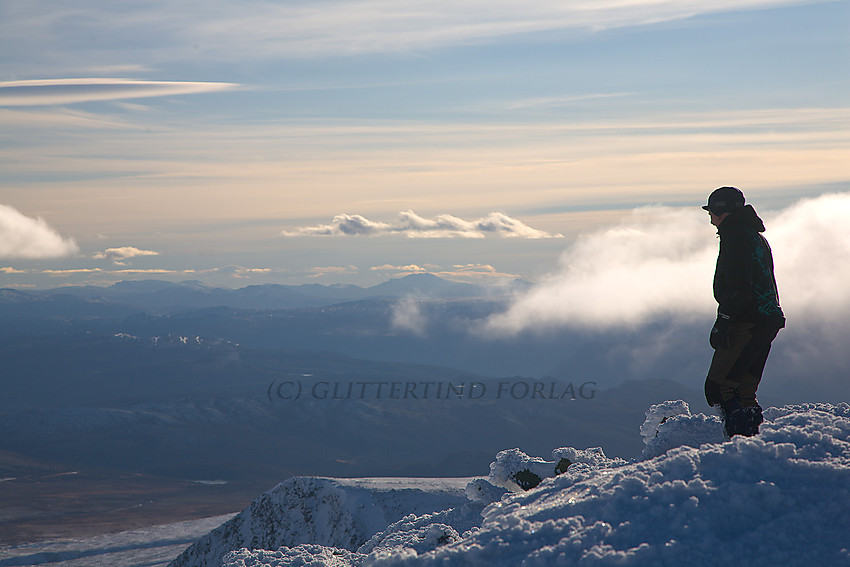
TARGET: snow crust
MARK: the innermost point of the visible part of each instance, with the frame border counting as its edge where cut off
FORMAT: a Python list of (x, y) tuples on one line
[(692, 497)]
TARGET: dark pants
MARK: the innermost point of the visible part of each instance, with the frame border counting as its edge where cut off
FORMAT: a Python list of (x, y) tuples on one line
[(736, 371)]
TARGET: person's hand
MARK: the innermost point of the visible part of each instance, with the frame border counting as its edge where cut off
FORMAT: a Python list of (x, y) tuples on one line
[(719, 338)]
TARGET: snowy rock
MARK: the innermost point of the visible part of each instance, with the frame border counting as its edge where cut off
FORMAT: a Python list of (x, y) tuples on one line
[(509, 465), (659, 414), (684, 431), (481, 490)]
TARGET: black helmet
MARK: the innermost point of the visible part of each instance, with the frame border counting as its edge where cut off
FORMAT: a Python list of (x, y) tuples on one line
[(725, 200)]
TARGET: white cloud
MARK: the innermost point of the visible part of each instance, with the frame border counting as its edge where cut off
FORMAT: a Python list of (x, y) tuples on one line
[(811, 248), (25, 237), (660, 261), (119, 255), (238, 272), (149, 271), (407, 316), (72, 271), (70, 91), (10, 270), (415, 226), (343, 225), (407, 269)]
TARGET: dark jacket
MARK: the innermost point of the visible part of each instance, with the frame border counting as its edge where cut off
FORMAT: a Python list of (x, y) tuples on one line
[(744, 284)]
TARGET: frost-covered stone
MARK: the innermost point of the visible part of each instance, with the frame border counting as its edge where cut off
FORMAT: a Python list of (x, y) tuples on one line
[(481, 490), (660, 413), (509, 464), (684, 430)]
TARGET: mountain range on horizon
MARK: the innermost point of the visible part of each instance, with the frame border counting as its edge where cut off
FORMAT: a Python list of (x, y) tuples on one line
[(193, 294)]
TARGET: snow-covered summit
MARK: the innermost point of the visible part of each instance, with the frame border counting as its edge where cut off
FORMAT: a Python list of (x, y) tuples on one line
[(691, 498), (338, 514)]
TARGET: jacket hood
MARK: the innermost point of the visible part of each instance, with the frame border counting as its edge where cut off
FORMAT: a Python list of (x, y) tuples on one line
[(746, 216)]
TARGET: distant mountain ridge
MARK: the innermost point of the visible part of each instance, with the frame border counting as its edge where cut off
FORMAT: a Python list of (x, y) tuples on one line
[(164, 295)]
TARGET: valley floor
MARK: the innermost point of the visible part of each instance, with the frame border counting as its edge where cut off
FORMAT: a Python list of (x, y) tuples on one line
[(154, 546), (52, 504)]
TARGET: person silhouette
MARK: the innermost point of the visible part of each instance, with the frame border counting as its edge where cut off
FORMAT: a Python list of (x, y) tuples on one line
[(749, 315)]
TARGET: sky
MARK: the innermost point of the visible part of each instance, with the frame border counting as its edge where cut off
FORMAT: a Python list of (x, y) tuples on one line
[(352, 141)]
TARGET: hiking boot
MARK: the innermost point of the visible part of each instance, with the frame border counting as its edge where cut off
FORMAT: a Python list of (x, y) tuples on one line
[(754, 419), (736, 421)]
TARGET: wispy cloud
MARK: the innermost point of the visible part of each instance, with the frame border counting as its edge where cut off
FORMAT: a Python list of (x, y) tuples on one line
[(238, 272), (119, 255), (50, 92), (550, 102), (25, 237), (71, 271), (124, 271), (303, 29), (312, 272), (321, 271), (407, 316), (659, 262), (168, 31), (414, 226), (407, 269)]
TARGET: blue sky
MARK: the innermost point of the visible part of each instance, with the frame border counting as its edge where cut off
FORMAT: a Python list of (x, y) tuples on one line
[(326, 141)]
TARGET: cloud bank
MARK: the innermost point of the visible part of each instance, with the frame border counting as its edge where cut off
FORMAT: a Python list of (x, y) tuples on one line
[(660, 262), (414, 226), (70, 91), (25, 237)]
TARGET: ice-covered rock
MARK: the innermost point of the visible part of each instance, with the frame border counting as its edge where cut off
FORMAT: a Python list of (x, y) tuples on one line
[(482, 490), (659, 414), (512, 468), (671, 424)]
